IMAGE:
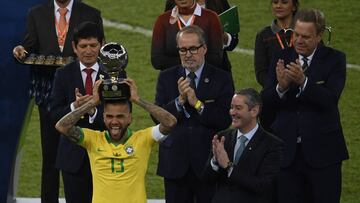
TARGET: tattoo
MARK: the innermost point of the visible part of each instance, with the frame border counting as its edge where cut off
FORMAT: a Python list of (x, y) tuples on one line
[(166, 119), (74, 134), (66, 125)]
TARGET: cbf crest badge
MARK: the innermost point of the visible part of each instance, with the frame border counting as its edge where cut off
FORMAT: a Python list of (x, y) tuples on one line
[(129, 150)]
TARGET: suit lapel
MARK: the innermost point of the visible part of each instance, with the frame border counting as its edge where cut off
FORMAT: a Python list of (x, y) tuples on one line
[(181, 72), (252, 145), (78, 80), (230, 146), (316, 61), (50, 23), (204, 82)]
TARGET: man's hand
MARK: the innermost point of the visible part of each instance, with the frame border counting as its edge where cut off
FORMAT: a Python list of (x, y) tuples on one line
[(80, 99), (166, 119), (186, 92), (183, 85), (295, 72), (281, 75), (133, 90), (19, 52), (219, 152)]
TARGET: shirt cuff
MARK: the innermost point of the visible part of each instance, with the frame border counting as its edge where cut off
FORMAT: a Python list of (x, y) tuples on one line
[(230, 171), (302, 88), (72, 107), (92, 118), (281, 94), (228, 41), (214, 165), (157, 135), (178, 105)]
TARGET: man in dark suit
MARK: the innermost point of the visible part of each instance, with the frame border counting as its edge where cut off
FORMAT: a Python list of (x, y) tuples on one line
[(245, 160), (219, 6), (304, 87), (45, 37), (72, 88), (201, 107)]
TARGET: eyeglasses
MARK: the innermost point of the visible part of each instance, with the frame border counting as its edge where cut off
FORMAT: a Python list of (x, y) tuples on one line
[(192, 50)]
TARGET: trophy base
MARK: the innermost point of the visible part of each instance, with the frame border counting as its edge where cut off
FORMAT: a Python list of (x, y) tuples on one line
[(114, 91)]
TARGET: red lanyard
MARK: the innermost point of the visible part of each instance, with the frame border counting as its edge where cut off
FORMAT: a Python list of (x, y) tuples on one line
[(281, 43), (192, 22)]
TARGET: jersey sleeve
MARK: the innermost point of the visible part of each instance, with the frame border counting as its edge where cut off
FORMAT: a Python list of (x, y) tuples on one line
[(86, 138), (157, 135)]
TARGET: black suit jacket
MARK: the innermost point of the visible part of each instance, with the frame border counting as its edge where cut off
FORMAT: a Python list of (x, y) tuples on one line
[(313, 115), (188, 145), (41, 38), (70, 156), (252, 179)]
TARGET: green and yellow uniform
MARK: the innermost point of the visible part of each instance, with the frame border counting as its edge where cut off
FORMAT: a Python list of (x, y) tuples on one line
[(118, 169)]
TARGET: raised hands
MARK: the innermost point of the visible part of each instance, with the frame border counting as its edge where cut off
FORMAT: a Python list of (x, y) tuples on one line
[(134, 96), (186, 92), (219, 152), (292, 73)]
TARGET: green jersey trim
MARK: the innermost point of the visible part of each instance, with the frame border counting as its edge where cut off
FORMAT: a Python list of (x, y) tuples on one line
[(81, 139), (121, 141)]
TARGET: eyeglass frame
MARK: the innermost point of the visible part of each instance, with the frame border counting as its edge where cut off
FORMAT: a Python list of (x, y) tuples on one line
[(192, 50)]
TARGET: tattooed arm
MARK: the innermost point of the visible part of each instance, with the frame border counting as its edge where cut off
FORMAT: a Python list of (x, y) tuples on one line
[(166, 119), (66, 125)]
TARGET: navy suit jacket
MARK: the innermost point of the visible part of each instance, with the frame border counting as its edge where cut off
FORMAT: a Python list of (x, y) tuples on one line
[(41, 38), (252, 179), (70, 156), (314, 114), (188, 144)]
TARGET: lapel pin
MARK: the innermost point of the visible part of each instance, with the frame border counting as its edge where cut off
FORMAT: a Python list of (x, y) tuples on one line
[(206, 80), (101, 76), (250, 148)]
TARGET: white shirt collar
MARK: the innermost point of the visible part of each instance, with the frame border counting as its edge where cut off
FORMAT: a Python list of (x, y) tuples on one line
[(95, 67), (197, 10), (249, 134), (310, 57), (69, 6)]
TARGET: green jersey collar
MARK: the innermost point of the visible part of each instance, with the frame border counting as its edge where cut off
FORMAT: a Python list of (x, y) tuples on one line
[(121, 141)]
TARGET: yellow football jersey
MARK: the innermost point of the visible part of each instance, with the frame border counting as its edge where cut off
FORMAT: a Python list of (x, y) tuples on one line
[(118, 169)]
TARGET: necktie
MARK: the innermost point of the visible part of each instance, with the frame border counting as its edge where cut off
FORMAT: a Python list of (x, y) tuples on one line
[(305, 64), (62, 27), (192, 77), (242, 140), (88, 81)]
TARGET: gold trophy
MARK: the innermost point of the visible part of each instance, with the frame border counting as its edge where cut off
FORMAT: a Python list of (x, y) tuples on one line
[(114, 59)]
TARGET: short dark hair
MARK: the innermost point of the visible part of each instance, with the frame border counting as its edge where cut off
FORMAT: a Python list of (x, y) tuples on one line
[(294, 2), (192, 29), (87, 30), (313, 16), (253, 97), (118, 101)]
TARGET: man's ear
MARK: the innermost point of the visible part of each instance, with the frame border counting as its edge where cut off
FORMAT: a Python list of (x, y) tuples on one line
[(255, 111), (319, 37)]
